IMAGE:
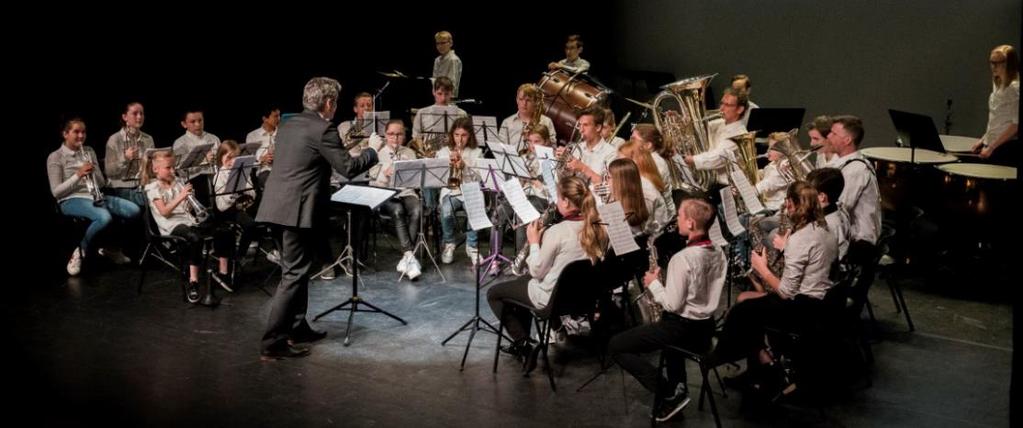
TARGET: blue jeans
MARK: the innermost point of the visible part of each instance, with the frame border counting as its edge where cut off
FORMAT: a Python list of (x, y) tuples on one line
[(447, 221), (130, 193), (99, 217)]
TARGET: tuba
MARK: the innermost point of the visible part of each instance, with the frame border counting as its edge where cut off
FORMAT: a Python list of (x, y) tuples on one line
[(746, 155), (683, 126), (796, 164)]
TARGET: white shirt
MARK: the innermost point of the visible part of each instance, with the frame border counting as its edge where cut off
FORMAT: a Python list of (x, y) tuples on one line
[(722, 149), (598, 157), (431, 120), (185, 143), (696, 276), (226, 200), (124, 173), (578, 66), (772, 187), (449, 65), (616, 142), (514, 125), (1003, 110), (62, 169), (656, 207), (838, 225), (662, 169), (266, 140), (469, 157), (809, 253), (560, 246), (386, 157), (860, 198), (178, 216)]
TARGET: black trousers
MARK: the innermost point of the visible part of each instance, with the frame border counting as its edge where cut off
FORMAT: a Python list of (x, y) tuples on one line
[(517, 320), (406, 213), (743, 333), (291, 300), (627, 348), (223, 241)]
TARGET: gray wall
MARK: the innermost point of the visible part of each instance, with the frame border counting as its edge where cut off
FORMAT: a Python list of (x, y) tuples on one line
[(857, 57)]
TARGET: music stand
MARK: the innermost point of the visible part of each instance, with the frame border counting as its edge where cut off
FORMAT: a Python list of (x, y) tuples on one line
[(768, 120), (474, 323), (359, 197), (249, 149), (916, 130), (436, 120), (236, 185), (422, 174), (490, 179)]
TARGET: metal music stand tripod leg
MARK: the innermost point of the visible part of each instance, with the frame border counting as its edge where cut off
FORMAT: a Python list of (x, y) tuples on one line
[(353, 302)]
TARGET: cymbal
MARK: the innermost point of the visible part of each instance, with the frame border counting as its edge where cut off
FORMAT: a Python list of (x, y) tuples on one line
[(394, 75)]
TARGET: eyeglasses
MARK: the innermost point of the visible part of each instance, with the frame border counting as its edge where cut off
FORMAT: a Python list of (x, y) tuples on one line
[(996, 63), (443, 42)]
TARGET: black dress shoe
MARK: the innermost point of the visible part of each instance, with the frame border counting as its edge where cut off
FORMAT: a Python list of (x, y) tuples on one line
[(307, 336), (283, 351)]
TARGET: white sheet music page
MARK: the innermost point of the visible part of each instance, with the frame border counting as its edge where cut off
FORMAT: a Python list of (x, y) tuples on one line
[(516, 162), (490, 173), (731, 216), (485, 127), (362, 195), (512, 190), (747, 191), (715, 234), (544, 152), (618, 231), (475, 206)]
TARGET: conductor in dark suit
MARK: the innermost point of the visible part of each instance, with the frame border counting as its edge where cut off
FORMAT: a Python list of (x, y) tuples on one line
[(296, 199)]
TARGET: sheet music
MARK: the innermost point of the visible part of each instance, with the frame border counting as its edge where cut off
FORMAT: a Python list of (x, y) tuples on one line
[(242, 166), (433, 121), (475, 206), (512, 190), (618, 231), (747, 191), (409, 173), (485, 128), (194, 157), (715, 234), (376, 121), (249, 148), (544, 152), (366, 196), (550, 181), (731, 216)]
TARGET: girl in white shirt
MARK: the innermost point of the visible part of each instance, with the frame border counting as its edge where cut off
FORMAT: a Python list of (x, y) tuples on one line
[(655, 190), (462, 150), (578, 237), (404, 207), (1002, 132), (236, 205), (626, 186)]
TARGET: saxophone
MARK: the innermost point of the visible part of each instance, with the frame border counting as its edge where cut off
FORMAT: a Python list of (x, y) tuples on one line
[(758, 239), (649, 310), (547, 218)]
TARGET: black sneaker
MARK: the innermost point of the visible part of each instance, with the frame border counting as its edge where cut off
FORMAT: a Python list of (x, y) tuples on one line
[(193, 292), (223, 280), (672, 406)]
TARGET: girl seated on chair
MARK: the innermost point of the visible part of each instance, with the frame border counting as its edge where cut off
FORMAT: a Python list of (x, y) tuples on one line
[(175, 216), (580, 236), (404, 207), (236, 205), (72, 171)]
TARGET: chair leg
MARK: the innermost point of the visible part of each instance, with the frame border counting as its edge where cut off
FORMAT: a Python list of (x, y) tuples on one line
[(710, 395), (721, 384), (545, 332), (500, 335), (900, 302)]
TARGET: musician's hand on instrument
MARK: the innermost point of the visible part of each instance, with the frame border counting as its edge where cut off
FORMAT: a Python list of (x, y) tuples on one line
[(758, 261), (978, 146), (267, 158), (987, 152), (780, 240), (131, 153), (209, 156), (560, 151), (689, 160), (553, 66), (84, 170), (533, 232), (376, 142), (574, 165), (389, 171), (650, 277)]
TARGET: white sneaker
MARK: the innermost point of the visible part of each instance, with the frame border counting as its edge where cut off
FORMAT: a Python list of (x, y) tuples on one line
[(403, 263), (74, 266), (115, 255), (274, 257), (414, 270), (472, 253), (448, 254)]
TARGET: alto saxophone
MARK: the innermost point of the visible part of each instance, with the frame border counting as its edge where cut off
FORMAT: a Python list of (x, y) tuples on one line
[(649, 310), (518, 266)]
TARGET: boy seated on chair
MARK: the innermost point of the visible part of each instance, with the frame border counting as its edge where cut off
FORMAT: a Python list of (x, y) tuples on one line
[(696, 276)]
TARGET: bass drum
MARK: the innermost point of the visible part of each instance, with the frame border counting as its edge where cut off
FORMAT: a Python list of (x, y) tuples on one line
[(976, 194), (565, 95)]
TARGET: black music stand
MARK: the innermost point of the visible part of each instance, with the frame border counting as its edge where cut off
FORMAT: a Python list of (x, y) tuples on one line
[(422, 174), (474, 323), (366, 198), (916, 130), (768, 120)]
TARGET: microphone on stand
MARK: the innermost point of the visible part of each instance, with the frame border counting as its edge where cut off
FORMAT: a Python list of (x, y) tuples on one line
[(469, 101)]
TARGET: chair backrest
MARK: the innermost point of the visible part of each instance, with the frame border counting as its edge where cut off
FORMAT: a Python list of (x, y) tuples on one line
[(149, 223), (577, 289)]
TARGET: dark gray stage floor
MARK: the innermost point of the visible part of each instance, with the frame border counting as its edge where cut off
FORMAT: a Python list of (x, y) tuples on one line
[(90, 351)]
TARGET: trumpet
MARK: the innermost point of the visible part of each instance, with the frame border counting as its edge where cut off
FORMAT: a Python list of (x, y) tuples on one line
[(90, 179), (455, 171), (133, 140), (195, 209)]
